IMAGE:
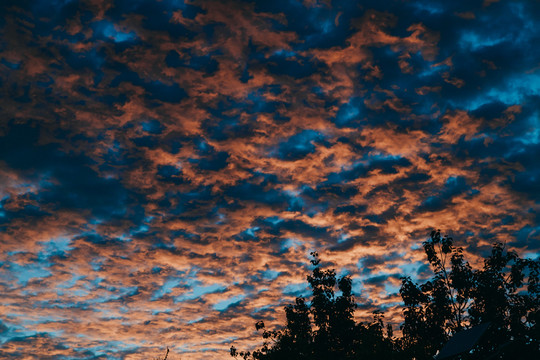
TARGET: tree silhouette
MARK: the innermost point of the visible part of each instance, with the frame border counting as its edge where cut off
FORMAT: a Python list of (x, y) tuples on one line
[(324, 328), (436, 309), (504, 293)]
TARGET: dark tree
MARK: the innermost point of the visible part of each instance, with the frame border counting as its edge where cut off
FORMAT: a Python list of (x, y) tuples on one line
[(324, 328), (503, 293), (506, 294)]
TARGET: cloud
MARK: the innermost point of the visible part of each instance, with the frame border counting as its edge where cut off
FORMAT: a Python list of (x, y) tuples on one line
[(167, 167)]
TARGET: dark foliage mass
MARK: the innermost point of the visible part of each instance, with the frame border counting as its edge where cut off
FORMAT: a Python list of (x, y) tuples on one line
[(503, 294)]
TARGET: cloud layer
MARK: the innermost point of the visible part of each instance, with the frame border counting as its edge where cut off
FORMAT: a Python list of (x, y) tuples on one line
[(166, 167)]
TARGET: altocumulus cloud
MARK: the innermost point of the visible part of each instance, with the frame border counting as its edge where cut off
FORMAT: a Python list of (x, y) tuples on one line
[(166, 167)]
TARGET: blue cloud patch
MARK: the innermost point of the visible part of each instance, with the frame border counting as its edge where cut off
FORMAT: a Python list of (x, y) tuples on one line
[(349, 112), (228, 303), (300, 145), (454, 186), (109, 31)]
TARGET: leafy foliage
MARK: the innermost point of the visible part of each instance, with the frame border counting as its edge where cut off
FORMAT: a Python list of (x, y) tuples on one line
[(503, 293), (324, 328)]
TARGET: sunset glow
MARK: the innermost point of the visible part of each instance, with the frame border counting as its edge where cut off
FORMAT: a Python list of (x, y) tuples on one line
[(166, 167)]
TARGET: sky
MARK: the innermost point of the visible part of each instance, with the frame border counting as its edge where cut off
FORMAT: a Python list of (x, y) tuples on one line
[(166, 167)]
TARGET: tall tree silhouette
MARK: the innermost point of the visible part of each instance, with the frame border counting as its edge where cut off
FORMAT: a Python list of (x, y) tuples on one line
[(323, 328), (504, 293)]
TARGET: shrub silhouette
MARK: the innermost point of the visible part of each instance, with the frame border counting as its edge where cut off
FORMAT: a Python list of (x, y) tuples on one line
[(503, 293)]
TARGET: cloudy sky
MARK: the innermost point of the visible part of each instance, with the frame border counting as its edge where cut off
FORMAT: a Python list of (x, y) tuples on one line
[(167, 166)]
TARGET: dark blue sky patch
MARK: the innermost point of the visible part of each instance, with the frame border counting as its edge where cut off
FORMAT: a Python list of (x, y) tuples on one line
[(112, 100), (156, 16), (3, 327), (152, 126), (97, 239), (367, 263), (173, 141), (9, 64), (388, 165), (171, 93), (57, 12), (151, 142), (155, 89), (249, 234), (527, 183), (173, 59), (299, 145), (342, 193), (29, 212), (79, 60), (269, 225), (214, 161), (207, 64), (296, 290), (528, 237), (345, 176), (82, 188), (70, 183), (109, 31), (479, 148), (257, 193), (489, 111), (304, 229), (350, 112), (377, 219), (171, 174), (19, 148), (454, 186), (350, 209), (291, 64), (414, 179), (396, 189), (228, 128), (381, 279)]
